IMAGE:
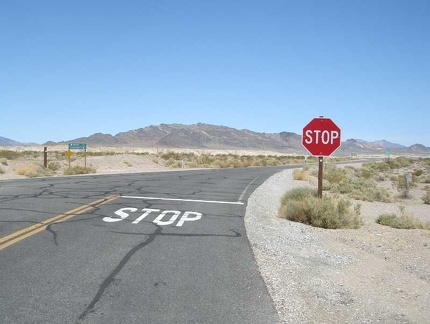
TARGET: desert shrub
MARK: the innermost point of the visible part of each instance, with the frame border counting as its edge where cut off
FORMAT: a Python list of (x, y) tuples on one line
[(3, 161), (1, 170), (171, 156), (362, 189), (54, 166), (368, 173), (404, 221), (402, 185), (426, 197), (32, 171), (171, 163), (300, 174), (79, 170), (205, 160), (302, 205), (418, 172), (10, 155), (334, 174)]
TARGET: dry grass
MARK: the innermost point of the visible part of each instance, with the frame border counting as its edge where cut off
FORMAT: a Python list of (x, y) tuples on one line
[(32, 171), (301, 175), (192, 160), (79, 170)]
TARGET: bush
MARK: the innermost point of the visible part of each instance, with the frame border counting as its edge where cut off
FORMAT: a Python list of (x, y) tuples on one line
[(171, 156), (54, 166), (300, 174), (3, 161), (302, 205), (1, 170), (334, 174), (79, 170), (362, 189), (10, 155), (402, 185), (402, 222), (32, 171)]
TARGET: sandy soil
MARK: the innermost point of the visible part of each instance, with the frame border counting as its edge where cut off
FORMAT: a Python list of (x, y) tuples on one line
[(375, 274), (108, 164)]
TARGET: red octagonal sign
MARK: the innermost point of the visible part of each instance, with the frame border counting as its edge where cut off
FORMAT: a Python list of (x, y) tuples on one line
[(321, 137)]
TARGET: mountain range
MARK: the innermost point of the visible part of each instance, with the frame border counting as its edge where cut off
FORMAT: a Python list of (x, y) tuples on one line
[(205, 136)]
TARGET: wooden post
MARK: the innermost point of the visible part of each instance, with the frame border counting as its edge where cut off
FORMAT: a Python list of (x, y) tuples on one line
[(320, 176), (45, 157)]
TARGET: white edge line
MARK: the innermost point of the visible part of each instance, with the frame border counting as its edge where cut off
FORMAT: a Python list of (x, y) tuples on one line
[(187, 200), (246, 189)]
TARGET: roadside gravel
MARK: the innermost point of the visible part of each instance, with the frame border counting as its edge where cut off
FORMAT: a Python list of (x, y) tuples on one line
[(375, 274)]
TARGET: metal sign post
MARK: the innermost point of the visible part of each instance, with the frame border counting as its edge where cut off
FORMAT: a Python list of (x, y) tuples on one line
[(78, 146)]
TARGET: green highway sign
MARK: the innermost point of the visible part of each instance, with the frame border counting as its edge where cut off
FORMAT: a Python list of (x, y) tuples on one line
[(77, 146)]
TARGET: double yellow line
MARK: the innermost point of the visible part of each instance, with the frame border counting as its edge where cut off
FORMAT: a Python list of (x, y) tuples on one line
[(34, 229)]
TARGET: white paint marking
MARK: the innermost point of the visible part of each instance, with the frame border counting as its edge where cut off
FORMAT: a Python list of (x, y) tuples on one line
[(246, 189), (147, 212), (191, 200), (172, 219), (185, 218), (121, 213)]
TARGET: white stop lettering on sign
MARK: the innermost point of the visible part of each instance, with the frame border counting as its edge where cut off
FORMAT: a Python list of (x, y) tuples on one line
[(324, 137)]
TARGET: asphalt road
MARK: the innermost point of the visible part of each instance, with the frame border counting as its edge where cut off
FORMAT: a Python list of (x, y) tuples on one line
[(163, 247)]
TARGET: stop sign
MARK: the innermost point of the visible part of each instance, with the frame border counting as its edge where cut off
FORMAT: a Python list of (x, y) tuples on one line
[(321, 137)]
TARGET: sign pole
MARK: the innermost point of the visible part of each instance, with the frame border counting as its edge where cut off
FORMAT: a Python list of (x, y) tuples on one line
[(320, 176), (45, 157)]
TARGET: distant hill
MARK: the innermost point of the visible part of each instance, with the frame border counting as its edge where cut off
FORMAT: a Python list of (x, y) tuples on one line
[(8, 142), (197, 136), (206, 136), (388, 145)]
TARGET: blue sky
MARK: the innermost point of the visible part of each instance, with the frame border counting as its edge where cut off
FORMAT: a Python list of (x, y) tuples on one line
[(73, 68)]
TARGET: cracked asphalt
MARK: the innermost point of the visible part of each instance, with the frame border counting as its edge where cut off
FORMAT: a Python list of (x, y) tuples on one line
[(164, 247)]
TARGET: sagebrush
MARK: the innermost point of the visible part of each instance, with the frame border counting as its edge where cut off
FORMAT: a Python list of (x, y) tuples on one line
[(330, 212)]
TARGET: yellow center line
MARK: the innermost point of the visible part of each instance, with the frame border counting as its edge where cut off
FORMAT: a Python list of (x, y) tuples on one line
[(34, 229)]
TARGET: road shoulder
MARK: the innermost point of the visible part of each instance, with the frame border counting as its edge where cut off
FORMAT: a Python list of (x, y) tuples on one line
[(336, 276)]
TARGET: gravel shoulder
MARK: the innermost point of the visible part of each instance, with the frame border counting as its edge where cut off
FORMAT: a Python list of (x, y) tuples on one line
[(375, 274)]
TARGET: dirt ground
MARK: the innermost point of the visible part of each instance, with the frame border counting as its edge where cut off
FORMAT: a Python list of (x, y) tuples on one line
[(375, 274)]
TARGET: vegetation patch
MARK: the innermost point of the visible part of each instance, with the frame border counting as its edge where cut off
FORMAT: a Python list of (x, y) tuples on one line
[(355, 183), (79, 170), (301, 175), (11, 155), (32, 171), (192, 160), (331, 212), (129, 164), (54, 166), (402, 221)]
